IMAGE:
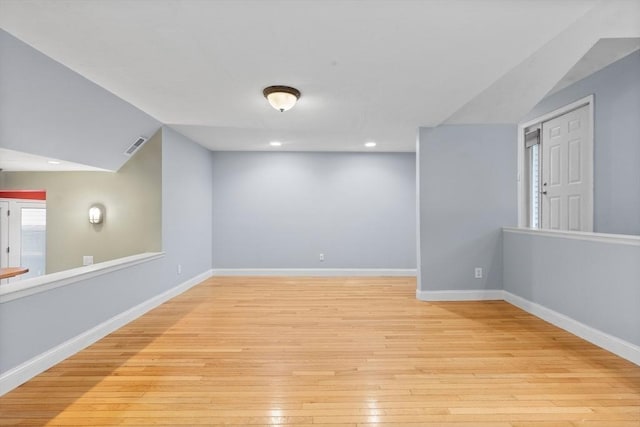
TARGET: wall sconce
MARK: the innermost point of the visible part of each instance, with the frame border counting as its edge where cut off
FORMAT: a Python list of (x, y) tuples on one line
[(95, 215)]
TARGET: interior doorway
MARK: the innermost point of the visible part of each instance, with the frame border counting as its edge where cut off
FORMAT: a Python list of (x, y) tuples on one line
[(23, 224)]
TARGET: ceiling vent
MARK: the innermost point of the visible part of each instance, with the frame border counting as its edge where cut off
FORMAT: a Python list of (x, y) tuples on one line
[(135, 146)]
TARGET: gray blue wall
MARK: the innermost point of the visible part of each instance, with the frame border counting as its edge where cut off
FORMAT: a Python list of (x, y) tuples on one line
[(595, 283), (49, 110), (281, 210), (617, 141), (187, 176), (467, 193), (32, 325)]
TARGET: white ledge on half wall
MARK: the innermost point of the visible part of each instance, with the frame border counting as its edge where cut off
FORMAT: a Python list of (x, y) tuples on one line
[(624, 239), (47, 282)]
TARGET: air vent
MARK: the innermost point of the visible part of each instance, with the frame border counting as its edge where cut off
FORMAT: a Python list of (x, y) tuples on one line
[(135, 146)]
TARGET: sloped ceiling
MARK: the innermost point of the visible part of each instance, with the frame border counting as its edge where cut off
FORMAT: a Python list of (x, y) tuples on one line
[(368, 70), (603, 53), (50, 111), (514, 94), (19, 161)]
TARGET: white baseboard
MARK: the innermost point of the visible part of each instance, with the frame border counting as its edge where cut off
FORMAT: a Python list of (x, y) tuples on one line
[(615, 345), (462, 295), (315, 272), (40, 363)]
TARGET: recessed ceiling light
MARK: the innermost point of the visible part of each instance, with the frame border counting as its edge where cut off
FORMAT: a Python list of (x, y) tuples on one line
[(275, 143), (53, 162), (370, 144)]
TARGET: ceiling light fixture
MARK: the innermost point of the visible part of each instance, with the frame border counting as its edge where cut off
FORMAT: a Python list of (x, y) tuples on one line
[(370, 144), (282, 98), (53, 162), (275, 144)]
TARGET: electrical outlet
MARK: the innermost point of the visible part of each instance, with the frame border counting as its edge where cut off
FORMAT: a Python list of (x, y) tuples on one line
[(87, 260), (179, 269), (321, 257), (478, 272)]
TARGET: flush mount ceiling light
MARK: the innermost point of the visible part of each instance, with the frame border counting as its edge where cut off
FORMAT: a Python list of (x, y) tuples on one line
[(282, 98), (370, 144), (275, 143)]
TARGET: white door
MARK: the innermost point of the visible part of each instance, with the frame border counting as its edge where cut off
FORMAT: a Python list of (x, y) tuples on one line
[(567, 172), (4, 234), (23, 236)]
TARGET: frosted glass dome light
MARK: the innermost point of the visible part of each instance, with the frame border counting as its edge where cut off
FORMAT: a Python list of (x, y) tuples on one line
[(282, 98)]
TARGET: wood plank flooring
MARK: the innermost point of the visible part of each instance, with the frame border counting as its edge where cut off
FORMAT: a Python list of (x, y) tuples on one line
[(332, 351)]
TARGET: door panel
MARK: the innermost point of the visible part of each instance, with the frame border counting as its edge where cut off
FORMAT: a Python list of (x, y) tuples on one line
[(555, 158), (567, 172), (554, 213), (574, 125), (574, 212), (575, 175)]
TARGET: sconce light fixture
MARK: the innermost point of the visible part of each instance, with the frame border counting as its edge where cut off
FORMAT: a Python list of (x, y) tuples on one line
[(95, 215)]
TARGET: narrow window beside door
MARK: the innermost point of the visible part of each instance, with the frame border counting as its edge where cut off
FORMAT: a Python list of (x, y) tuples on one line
[(532, 153)]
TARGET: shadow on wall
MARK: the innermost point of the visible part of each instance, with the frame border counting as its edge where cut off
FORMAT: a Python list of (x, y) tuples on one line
[(526, 333), (132, 203), (75, 366)]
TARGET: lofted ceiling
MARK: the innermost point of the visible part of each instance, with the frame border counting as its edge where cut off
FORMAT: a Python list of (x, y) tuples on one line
[(603, 53), (367, 70)]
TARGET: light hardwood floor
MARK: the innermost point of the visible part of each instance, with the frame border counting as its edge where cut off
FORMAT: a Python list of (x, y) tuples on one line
[(358, 352)]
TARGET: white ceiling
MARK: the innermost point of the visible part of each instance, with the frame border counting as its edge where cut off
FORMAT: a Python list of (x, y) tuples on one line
[(367, 70)]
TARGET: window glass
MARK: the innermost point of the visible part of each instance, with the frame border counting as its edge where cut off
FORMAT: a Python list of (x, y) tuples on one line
[(33, 241)]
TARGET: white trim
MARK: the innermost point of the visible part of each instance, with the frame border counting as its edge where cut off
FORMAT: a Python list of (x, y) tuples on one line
[(418, 214), (615, 345), (522, 205), (4, 234), (40, 363), (460, 295), (47, 282), (521, 190), (322, 272), (558, 112), (622, 239)]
